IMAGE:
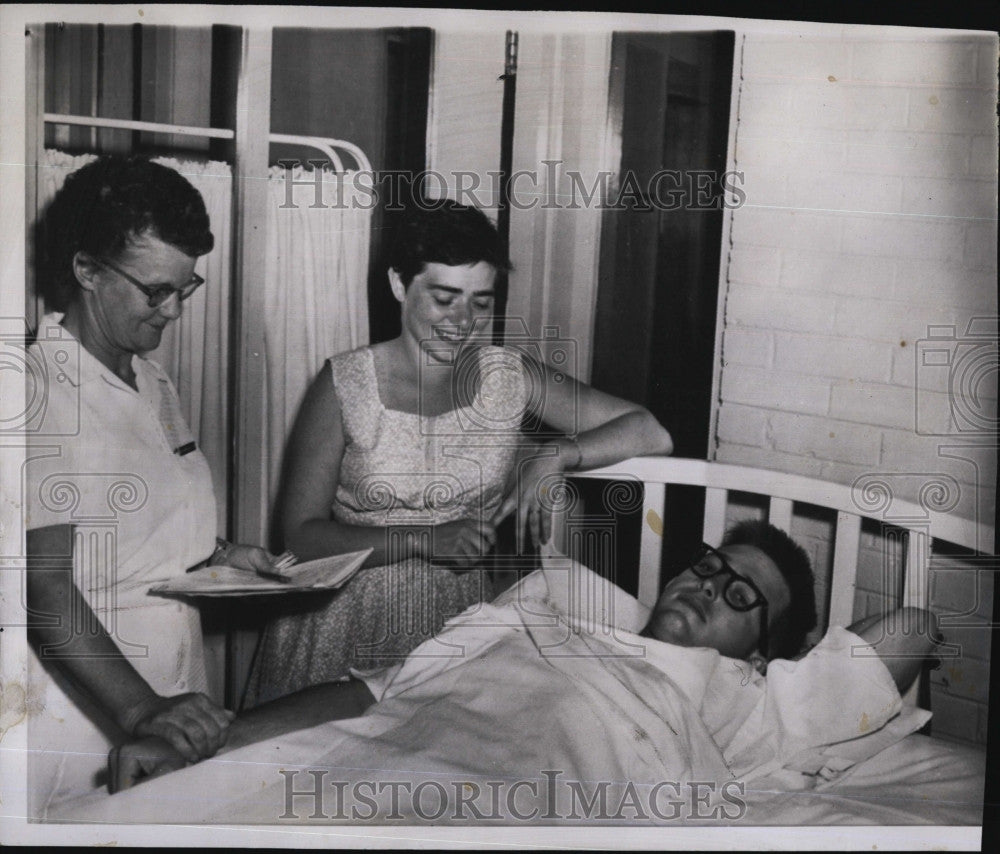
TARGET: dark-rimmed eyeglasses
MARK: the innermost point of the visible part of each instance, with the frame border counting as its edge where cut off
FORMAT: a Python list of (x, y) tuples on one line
[(156, 295), (739, 593)]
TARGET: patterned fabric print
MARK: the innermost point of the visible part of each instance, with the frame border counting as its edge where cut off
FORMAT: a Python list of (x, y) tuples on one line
[(398, 468)]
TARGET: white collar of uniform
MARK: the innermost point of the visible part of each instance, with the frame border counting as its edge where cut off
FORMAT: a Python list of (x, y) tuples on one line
[(81, 366)]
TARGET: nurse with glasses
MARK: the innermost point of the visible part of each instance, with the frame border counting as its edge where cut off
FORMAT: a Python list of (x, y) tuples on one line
[(117, 496)]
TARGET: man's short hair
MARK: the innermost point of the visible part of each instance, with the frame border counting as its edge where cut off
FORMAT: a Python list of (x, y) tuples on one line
[(788, 633)]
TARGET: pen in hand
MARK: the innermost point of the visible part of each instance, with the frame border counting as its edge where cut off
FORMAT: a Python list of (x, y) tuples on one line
[(275, 571)]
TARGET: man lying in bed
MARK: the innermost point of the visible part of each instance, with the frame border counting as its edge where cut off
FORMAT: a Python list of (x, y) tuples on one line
[(565, 671)]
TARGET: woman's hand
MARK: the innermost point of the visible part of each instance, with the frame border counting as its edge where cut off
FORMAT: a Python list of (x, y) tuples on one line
[(464, 542), (538, 478), (136, 761), (239, 556), (192, 724)]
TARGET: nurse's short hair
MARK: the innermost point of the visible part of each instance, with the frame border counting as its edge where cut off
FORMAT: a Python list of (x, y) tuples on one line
[(446, 232), (788, 631), (104, 205)]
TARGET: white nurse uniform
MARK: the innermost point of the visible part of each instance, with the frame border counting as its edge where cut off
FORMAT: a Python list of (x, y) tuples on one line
[(120, 465)]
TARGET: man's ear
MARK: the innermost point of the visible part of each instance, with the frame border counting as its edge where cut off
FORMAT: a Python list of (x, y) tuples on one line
[(759, 663), (397, 286), (85, 271)]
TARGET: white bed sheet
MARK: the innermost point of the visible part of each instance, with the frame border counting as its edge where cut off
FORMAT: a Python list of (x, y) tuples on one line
[(920, 780), (915, 781)]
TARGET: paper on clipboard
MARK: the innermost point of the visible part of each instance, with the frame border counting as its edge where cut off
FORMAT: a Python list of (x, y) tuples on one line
[(326, 573)]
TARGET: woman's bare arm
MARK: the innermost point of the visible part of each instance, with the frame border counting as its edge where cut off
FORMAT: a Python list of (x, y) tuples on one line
[(147, 758), (67, 634), (607, 429), (315, 452), (601, 429)]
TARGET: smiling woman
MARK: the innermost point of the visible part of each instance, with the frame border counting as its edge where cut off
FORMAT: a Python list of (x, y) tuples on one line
[(447, 303), (416, 448), (118, 247), (123, 316)]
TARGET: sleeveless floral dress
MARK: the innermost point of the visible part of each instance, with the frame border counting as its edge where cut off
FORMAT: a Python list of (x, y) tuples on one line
[(408, 470)]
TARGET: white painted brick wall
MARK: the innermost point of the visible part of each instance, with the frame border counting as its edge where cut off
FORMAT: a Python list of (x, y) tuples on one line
[(983, 157), (840, 106), (834, 273), (755, 306), (878, 572), (872, 403), (774, 390), (897, 61), (754, 455), (837, 189), (958, 197), (923, 282), (755, 265), (871, 173), (811, 436), (743, 423), (751, 347), (835, 357), (768, 185), (953, 109), (905, 237), (896, 321), (790, 229), (966, 677), (767, 149), (954, 717), (794, 58), (973, 641), (909, 153), (981, 246)]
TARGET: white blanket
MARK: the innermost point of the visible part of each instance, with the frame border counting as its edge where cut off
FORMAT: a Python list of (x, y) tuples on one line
[(547, 706)]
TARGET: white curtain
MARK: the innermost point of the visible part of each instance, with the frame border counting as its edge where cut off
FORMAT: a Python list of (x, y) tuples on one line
[(316, 291), (316, 303), (194, 351)]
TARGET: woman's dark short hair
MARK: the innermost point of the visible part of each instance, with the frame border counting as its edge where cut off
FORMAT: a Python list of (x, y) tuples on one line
[(789, 631), (450, 233), (108, 202)]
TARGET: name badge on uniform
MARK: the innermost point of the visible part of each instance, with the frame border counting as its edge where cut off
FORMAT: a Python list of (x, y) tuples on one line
[(175, 429)]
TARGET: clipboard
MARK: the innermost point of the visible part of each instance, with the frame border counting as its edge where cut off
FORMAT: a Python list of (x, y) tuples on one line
[(325, 573)]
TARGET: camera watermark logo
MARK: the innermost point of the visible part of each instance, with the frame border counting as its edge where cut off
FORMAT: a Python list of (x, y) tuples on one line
[(436, 548), (501, 390), (51, 365), (956, 390)]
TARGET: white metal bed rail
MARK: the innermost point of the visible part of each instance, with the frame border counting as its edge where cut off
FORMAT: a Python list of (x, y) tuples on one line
[(870, 498), (867, 498), (326, 146)]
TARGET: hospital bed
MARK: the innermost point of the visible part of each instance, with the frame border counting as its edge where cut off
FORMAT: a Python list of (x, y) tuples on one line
[(916, 780), (920, 779)]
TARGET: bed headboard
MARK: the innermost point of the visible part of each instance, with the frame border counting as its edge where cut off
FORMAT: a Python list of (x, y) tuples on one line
[(869, 497)]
